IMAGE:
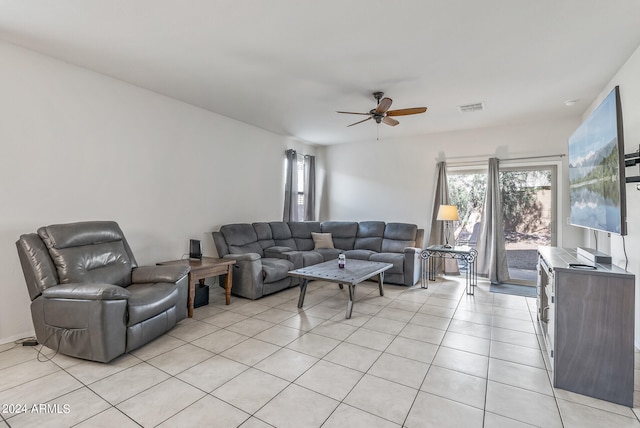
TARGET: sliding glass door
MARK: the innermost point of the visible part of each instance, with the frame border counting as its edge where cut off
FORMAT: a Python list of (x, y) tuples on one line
[(528, 210), (528, 200)]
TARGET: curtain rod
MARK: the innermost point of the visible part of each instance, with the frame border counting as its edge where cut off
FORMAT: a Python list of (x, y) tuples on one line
[(484, 161)]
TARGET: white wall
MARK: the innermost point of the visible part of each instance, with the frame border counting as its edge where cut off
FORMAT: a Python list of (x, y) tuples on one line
[(627, 79), (393, 180), (76, 145)]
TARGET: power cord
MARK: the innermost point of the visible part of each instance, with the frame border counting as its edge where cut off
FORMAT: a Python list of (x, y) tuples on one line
[(44, 357), (624, 248), (25, 341), (32, 341)]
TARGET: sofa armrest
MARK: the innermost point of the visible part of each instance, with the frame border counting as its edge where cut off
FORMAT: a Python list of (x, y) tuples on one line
[(164, 273), (293, 256), (274, 252), (412, 265), (247, 275), (243, 257), (82, 291), (285, 253), (420, 238)]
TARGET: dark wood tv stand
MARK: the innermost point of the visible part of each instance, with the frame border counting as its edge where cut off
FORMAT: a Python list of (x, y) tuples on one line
[(587, 321)]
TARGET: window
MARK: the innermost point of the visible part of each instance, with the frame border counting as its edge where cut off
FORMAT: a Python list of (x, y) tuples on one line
[(299, 200)]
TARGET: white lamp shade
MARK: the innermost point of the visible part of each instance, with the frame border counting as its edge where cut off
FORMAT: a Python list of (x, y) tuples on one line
[(447, 213)]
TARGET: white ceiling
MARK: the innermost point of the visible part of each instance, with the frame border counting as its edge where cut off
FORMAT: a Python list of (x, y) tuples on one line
[(288, 65)]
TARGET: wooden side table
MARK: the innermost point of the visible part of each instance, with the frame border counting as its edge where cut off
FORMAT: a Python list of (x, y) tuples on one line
[(205, 268)]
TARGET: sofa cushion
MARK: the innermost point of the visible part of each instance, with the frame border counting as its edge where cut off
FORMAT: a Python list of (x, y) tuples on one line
[(295, 257), (282, 234), (343, 232), (301, 233), (400, 231), (241, 239), (371, 229), (369, 236), (398, 236), (275, 269), (359, 254), (264, 235), (148, 300), (89, 252), (322, 240), (84, 233), (310, 258), (394, 246), (328, 253), (298, 258), (105, 262), (372, 244), (394, 258)]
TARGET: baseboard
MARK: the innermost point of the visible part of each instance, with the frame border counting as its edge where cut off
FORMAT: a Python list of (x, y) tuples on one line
[(9, 339)]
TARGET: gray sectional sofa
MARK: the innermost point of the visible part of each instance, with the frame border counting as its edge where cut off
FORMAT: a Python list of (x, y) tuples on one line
[(266, 251)]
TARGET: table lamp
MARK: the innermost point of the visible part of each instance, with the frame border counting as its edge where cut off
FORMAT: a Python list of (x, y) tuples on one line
[(447, 213)]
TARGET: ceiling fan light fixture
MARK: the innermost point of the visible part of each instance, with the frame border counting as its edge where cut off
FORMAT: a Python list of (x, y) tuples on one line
[(468, 108)]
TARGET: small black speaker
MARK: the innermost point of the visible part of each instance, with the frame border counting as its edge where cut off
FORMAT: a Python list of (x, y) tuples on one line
[(202, 296), (194, 249)]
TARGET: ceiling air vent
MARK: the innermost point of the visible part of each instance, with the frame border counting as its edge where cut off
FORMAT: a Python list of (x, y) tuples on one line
[(471, 107)]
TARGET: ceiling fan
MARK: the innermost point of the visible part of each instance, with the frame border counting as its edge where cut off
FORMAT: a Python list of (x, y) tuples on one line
[(382, 113)]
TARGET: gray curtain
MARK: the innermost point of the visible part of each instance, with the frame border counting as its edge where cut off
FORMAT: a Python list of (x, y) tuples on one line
[(492, 256), (436, 236), (290, 212), (309, 188), (293, 211)]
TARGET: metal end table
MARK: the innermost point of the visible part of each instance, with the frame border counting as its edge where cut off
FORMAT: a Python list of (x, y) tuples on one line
[(464, 253)]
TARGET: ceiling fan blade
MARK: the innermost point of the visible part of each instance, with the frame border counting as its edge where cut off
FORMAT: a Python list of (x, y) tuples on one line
[(390, 121), (384, 105), (406, 111), (369, 118), (351, 112)]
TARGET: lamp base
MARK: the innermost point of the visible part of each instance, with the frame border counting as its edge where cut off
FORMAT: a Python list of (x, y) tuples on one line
[(448, 246)]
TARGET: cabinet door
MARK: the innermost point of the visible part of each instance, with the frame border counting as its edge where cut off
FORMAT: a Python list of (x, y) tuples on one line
[(594, 336), (551, 315), (540, 296), (545, 306)]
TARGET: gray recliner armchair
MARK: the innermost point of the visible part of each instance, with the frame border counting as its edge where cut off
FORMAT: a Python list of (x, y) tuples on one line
[(89, 297)]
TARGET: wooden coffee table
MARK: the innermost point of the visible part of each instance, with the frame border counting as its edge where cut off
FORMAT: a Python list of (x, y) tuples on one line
[(205, 268), (352, 274)]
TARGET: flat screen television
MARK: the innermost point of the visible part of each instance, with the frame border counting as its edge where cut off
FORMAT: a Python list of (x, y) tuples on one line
[(596, 169)]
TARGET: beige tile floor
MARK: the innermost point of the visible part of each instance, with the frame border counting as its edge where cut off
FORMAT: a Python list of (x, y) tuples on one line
[(413, 358)]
